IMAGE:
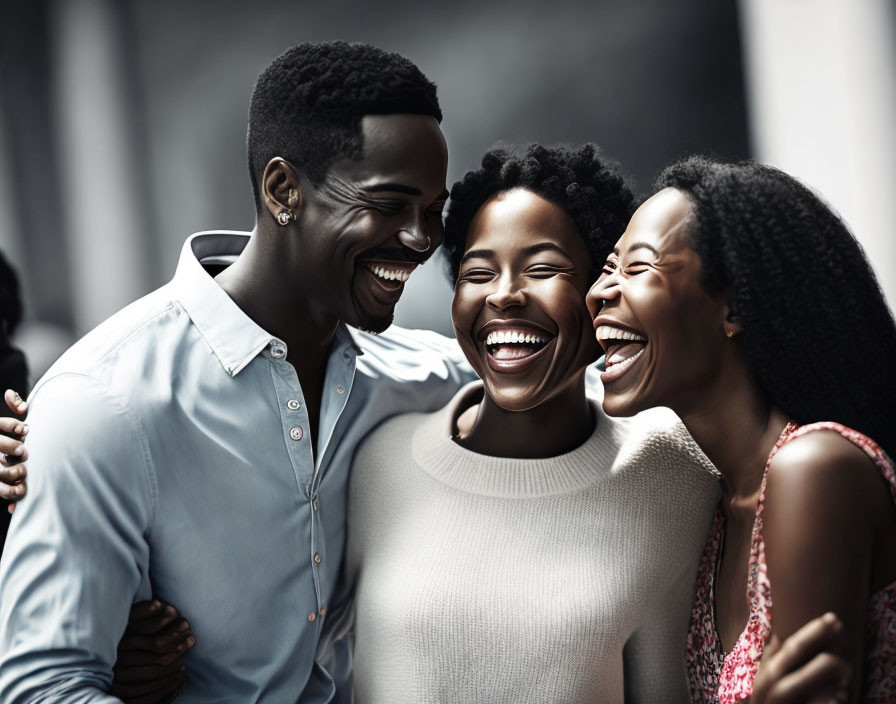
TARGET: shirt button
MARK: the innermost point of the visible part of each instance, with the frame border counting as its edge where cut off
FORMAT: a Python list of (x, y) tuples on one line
[(292, 404), (312, 616), (316, 559), (340, 389), (296, 433), (278, 351)]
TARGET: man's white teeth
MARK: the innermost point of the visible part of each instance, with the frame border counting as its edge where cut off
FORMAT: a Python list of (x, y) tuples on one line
[(617, 361), (390, 274), (503, 337), (611, 332)]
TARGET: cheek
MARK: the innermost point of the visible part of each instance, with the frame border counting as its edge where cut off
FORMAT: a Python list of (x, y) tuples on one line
[(465, 308), (359, 231), (569, 311)]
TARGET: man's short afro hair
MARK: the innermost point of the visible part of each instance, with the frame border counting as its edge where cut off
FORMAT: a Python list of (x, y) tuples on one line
[(579, 180), (308, 104)]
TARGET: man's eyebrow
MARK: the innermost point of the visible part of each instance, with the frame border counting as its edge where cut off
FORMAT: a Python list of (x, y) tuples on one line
[(394, 188)]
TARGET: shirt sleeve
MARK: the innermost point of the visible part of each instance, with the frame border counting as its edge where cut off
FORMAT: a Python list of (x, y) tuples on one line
[(77, 554)]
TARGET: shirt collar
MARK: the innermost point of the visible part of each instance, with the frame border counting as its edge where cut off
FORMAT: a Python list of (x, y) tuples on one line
[(234, 337)]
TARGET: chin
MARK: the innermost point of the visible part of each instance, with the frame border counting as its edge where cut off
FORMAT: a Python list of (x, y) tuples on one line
[(620, 406), (514, 399), (375, 324)]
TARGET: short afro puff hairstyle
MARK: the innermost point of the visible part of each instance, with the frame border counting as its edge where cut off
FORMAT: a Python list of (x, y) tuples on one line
[(579, 180), (793, 275), (307, 105)]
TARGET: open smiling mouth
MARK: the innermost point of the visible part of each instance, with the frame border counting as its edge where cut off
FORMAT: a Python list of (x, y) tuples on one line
[(383, 280), (511, 347), (623, 347)]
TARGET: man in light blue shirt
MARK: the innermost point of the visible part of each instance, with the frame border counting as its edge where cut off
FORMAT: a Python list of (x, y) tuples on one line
[(196, 445)]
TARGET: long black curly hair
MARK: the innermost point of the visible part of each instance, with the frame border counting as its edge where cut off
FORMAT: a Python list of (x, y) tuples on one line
[(580, 180), (817, 333), (307, 105)]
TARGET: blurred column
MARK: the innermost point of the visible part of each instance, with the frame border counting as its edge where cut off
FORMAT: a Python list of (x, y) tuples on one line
[(821, 78), (101, 162)]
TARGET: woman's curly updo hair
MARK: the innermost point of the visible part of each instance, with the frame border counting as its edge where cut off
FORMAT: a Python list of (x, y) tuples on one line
[(817, 333), (579, 180)]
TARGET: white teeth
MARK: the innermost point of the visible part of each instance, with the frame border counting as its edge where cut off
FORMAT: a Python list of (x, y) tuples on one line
[(611, 332), (618, 362), (503, 337), (389, 274)]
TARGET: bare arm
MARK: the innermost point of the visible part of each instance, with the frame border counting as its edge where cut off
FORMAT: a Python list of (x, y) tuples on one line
[(819, 538)]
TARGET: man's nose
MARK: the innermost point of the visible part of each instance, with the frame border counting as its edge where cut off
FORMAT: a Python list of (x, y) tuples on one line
[(414, 234)]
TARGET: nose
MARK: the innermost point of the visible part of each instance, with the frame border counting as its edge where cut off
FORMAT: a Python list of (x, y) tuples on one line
[(507, 295), (605, 289), (415, 234)]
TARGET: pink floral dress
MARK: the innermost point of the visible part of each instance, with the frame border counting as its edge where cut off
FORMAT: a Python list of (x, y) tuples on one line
[(719, 678)]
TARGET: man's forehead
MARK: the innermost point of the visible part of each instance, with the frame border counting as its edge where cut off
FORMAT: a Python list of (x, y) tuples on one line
[(401, 149)]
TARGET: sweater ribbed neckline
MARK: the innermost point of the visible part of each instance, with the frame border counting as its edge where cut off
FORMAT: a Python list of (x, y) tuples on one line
[(509, 477)]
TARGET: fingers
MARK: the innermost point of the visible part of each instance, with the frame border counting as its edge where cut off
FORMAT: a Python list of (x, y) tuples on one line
[(147, 619), (159, 691), (807, 642), (14, 427), (163, 649), (15, 403), (12, 454), (12, 484), (146, 609), (150, 667), (825, 677), (156, 636), (150, 677), (12, 446)]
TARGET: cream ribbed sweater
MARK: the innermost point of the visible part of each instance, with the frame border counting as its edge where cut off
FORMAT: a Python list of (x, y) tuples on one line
[(486, 579)]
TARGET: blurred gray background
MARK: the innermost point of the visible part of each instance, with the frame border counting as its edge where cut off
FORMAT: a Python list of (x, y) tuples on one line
[(122, 122)]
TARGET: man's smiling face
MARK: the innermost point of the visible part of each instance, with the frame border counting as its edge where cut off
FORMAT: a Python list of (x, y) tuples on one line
[(374, 220)]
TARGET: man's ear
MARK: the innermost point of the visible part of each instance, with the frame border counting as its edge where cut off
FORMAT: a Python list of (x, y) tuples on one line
[(280, 191)]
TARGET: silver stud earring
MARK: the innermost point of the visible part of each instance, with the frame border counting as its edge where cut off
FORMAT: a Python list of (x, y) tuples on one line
[(729, 333), (284, 217)]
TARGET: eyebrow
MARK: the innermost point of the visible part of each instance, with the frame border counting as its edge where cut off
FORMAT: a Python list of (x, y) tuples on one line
[(528, 251), (399, 188), (638, 245)]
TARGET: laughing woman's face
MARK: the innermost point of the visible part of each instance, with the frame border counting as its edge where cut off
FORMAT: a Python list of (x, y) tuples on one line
[(519, 303), (662, 333)]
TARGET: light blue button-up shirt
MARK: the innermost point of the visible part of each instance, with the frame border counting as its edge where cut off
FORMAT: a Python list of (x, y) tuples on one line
[(171, 458)]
